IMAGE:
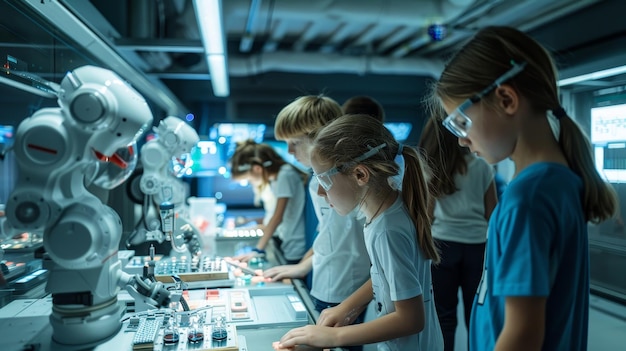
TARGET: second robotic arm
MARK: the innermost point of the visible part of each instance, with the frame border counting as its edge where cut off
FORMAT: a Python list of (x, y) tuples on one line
[(164, 160)]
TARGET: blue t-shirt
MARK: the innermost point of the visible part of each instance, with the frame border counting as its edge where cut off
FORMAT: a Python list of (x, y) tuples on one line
[(537, 246)]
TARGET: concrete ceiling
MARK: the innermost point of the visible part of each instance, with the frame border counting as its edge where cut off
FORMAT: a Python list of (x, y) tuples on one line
[(280, 49)]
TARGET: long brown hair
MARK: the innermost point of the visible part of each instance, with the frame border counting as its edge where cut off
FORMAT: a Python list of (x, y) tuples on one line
[(444, 155), (487, 56), (350, 136)]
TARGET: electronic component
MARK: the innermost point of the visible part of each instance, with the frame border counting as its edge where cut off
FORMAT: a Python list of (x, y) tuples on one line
[(29, 281), (191, 269), (12, 270), (160, 332), (22, 242), (147, 333), (195, 335), (241, 233), (299, 311), (170, 337), (135, 264), (238, 302), (219, 329)]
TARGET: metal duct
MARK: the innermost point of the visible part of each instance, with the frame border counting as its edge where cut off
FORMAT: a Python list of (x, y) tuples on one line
[(331, 63)]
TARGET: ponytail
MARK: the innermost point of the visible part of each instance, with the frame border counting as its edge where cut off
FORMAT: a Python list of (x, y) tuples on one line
[(599, 198), (418, 200)]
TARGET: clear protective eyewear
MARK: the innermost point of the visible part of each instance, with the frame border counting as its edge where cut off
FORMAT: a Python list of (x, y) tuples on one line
[(325, 178), (248, 166), (458, 122)]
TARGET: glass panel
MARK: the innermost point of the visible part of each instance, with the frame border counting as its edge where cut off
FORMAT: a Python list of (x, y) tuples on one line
[(607, 240)]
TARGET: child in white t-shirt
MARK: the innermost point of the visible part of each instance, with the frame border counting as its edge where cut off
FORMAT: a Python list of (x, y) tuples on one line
[(262, 166), (353, 159), (338, 257)]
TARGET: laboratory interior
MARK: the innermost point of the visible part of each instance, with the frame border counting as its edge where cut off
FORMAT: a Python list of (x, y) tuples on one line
[(127, 224)]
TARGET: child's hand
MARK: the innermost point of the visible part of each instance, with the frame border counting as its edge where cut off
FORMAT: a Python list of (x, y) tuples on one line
[(287, 271), (338, 316), (276, 346), (246, 257), (310, 335)]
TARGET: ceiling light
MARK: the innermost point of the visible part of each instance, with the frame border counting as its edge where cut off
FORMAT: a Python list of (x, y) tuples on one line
[(593, 76), (219, 75), (210, 22)]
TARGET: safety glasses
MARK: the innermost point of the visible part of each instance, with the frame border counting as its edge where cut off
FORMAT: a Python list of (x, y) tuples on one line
[(325, 178), (458, 122)]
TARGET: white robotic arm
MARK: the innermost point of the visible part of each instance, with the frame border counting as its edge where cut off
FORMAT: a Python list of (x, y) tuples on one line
[(165, 158), (89, 138)]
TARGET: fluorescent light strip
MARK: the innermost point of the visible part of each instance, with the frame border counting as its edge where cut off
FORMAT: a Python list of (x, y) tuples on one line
[(593, 76), (209, 17), (219, 75)]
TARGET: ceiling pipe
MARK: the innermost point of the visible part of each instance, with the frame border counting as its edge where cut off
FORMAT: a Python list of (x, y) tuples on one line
[(355, 13), (248, 36), (478, 19), (309, 34), (276, 35), (66, 22), (331, 63), (395, 38), (393, 12)]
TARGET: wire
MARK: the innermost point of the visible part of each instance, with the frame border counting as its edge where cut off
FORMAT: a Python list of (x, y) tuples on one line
[(184, 303)]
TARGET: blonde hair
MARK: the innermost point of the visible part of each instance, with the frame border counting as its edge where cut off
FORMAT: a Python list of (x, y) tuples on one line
[(487, 56), (305, 115), (350, 136)]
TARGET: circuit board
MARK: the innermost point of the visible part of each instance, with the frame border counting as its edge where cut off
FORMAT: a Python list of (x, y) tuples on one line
[(23, 242), (207, 343), (191, 269), (207, 337)]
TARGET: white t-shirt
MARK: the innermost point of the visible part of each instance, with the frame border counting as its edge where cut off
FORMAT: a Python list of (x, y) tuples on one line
[(289, 184), (340, 261), (400, 272), (460, 216), (269, 203)]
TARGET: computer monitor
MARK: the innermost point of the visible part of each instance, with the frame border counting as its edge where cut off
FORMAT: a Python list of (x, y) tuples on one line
[(210, 176), (8, 167), (608, 136)]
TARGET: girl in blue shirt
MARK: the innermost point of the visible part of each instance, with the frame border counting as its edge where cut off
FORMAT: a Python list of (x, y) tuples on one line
[(502, 101)]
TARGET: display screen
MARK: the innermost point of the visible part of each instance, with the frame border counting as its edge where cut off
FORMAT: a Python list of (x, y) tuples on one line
[(210, 157), (608, 124), (608, 136), (235, 132), (6, 136)]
